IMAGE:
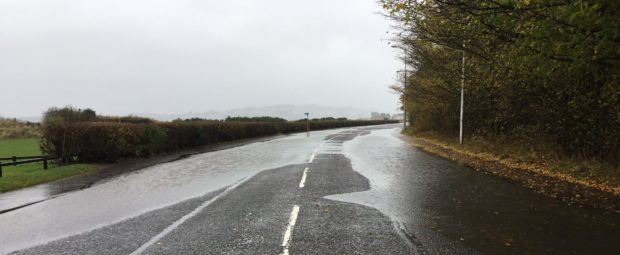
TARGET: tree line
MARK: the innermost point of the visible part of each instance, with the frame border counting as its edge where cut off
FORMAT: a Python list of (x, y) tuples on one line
[(539, 72)]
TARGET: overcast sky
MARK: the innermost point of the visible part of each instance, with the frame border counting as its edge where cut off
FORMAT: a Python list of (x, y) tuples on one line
[(175, 56)]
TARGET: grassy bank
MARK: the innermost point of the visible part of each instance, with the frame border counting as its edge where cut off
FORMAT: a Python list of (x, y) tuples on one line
[(573, 180), (12, 128), (19, 147), (16, 177)]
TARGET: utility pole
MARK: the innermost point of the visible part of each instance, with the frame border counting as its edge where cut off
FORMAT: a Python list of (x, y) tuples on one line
[(462, 95), (405, 91)]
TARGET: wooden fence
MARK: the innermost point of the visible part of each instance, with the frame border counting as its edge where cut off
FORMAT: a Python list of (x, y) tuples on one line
[(14, 161)]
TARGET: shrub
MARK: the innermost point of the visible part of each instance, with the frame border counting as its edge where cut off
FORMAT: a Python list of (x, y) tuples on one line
[(68, 114), (110, 141)]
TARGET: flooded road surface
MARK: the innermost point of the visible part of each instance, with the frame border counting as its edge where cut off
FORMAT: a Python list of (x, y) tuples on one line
[(346, 191), (450, 209), (24, 197), (154, 187)]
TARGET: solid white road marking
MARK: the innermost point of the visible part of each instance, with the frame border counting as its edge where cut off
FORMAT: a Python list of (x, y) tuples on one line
[(311, 158), (302, 183), (289, 230), (185, 218)]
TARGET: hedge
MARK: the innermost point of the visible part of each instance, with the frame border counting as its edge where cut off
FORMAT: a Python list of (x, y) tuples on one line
[(109, 141)]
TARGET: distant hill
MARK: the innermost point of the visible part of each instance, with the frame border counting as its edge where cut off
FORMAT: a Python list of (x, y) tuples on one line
[(289, 112)]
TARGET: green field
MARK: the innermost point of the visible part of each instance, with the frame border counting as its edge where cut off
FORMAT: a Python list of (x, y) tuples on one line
[(15, 177), (19, 147)]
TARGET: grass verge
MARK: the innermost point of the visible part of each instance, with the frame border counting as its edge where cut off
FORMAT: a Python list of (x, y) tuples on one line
[(21, 176), (16, 177), (584, 182)]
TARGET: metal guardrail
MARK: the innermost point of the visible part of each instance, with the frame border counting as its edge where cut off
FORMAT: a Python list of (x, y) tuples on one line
[(25, 160)]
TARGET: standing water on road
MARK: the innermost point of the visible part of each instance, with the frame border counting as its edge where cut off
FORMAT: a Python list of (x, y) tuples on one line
[(446, 208), (155, 187)]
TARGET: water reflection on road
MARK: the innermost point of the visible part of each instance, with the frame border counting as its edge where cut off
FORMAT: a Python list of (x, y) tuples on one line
[(134, 193), (443, 207), (448, 208)]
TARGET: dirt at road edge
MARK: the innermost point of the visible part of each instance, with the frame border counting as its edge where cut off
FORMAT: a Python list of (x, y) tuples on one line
[(536, 177)]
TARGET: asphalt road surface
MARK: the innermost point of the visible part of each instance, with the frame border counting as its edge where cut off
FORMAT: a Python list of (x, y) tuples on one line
[(344, 191)]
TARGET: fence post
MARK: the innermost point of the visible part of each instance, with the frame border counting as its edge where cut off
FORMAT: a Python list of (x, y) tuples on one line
[(0, 169), (14, 159), (45, 163)]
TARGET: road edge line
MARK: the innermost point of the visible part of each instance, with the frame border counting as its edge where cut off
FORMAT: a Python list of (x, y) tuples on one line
[(186, 217)]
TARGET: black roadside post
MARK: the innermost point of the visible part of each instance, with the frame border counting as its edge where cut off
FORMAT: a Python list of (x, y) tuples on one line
[(307, 122), (0, 169), (45, 163)]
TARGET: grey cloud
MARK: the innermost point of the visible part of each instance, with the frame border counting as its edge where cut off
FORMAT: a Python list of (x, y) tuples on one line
[(122, 56)]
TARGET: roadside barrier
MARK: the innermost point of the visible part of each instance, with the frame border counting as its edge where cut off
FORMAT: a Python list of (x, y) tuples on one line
[(25, 160)]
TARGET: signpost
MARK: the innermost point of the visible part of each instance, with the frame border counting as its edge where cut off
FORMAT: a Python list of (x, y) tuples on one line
[(307, 122)]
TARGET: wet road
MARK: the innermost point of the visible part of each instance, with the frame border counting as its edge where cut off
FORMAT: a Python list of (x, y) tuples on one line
[(346, 191)]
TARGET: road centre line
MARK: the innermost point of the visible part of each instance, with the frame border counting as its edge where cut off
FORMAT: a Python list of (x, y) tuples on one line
[(293, 219), (302, 183), (183, 219), (286, 242), (188, 216), (317, 149)]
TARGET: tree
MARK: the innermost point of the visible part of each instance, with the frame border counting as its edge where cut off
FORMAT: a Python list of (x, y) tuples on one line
[(540, 71)]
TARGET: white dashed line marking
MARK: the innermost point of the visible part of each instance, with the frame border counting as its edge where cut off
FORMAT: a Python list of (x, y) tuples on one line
[(289, 230), (302, 183), (293, 219), (317, 149)]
